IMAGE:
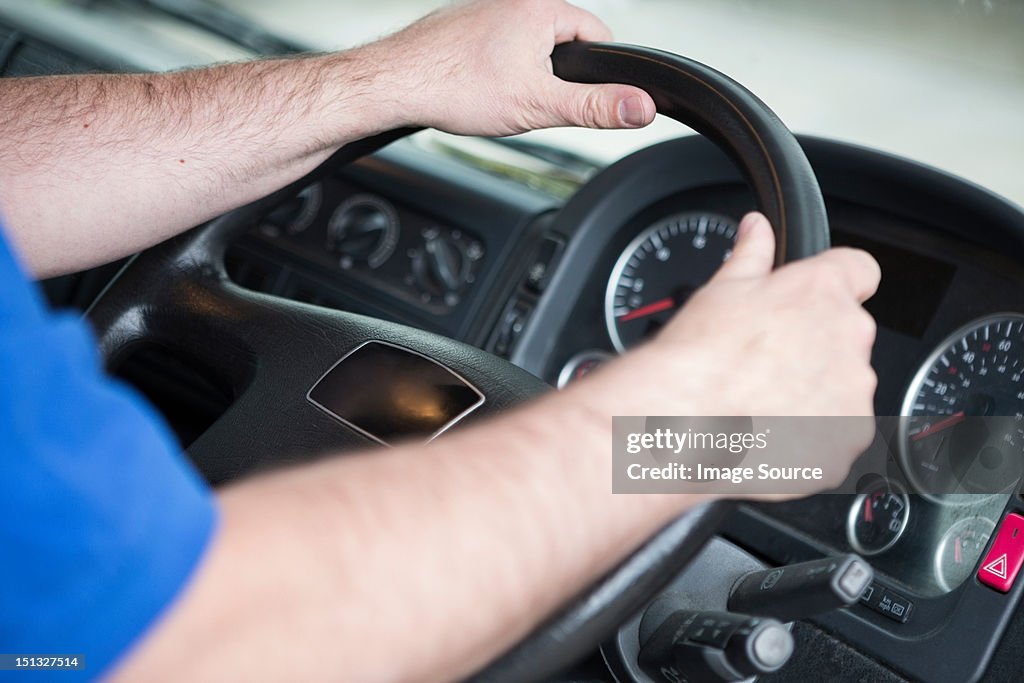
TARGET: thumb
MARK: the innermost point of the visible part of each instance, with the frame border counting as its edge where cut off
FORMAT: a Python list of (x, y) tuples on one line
[(754, 253), (602, 106)]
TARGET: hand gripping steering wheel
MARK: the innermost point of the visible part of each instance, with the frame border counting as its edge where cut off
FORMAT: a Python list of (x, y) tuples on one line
[(271, 351)]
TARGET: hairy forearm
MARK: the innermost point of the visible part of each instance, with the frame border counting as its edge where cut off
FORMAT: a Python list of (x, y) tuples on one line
[(98, 166), (413, 564)]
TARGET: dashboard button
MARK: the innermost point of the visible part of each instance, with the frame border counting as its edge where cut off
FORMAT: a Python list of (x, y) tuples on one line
[(895, 606), (538, 274), (887, 603), (1003, 561), (874, 597), (512, 322), (871, 593)]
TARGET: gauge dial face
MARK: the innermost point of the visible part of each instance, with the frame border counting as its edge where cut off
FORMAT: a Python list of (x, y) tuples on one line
[(978, 371), (660, 269), (581, 365), (297, 213), (959, 550), (878, 517)]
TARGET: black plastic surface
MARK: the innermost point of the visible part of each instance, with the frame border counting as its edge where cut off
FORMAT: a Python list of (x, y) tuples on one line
[(802, 590), (949, 638), (269, 350), (712, 647)]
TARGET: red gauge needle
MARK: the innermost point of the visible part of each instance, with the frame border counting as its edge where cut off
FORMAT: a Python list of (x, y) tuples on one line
[(869, 515), (954, 419), (650, 309)]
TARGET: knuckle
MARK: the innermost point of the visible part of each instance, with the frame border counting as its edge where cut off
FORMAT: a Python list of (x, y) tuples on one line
[(862, 386), (865, 327), (870, 379), (835, 476), (864, 258), (860, 262), (824, 278), (542, 7), (533, 108), (590, 113)]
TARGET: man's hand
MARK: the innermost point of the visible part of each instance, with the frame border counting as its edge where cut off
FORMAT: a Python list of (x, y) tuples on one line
[(484, 68), (759, 341), (771, 339)]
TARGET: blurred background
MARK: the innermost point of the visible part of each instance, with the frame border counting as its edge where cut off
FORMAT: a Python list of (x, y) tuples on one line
[(940, 81)]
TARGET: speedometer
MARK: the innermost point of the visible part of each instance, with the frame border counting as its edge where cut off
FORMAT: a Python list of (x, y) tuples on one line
[(977, 372), (660, 269)]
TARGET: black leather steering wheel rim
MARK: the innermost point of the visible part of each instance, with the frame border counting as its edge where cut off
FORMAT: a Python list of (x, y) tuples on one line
[(178, 294), (732, 117), (787, 192)]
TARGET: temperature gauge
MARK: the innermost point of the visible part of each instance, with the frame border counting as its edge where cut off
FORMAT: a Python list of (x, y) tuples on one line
[(959, 550), (878, 518)]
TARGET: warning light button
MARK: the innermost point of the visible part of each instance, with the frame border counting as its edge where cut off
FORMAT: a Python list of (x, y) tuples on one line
[(1000, 566)]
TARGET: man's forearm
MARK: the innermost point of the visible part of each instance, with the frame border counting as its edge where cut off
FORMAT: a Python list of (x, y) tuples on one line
[(413, 564), (420, 563), (99, 166), (95, 167)]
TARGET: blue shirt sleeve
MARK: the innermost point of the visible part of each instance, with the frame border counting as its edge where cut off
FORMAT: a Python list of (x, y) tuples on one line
[(102, 519)]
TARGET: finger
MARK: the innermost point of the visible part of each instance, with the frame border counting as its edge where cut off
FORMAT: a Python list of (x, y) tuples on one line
[(575, 23), (859, 270), (599, 106), (754, 253)]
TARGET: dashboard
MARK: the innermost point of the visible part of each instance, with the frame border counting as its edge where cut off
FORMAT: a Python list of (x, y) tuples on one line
[(562, 289)]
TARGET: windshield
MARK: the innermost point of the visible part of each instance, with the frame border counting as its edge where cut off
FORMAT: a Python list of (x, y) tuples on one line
[(939, 81)]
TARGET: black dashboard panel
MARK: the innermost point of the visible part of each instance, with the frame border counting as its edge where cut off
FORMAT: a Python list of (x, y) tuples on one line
[(457, 234), (939, 271), (949, 254)]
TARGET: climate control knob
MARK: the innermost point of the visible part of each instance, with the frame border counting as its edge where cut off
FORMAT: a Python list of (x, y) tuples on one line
[(363, 229), (443, 265)]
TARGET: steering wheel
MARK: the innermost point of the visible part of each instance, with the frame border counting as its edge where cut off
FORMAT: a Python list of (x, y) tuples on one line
[(272, 351)]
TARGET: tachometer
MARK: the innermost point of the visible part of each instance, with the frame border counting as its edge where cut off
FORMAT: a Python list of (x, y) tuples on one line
[(660, 269), (978, 371)]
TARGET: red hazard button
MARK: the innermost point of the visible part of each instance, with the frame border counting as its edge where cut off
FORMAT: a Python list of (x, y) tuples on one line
[(1004, 559)]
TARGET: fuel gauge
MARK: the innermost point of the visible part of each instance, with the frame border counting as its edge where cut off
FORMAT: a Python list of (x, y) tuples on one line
[(959, 550), (878, 517)]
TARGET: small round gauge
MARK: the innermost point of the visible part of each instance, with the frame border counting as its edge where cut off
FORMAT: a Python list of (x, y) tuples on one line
[(878, 517), (660, 269), (581, 365), (959, 550), (295, 214), (978, 371), (363, 229)]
